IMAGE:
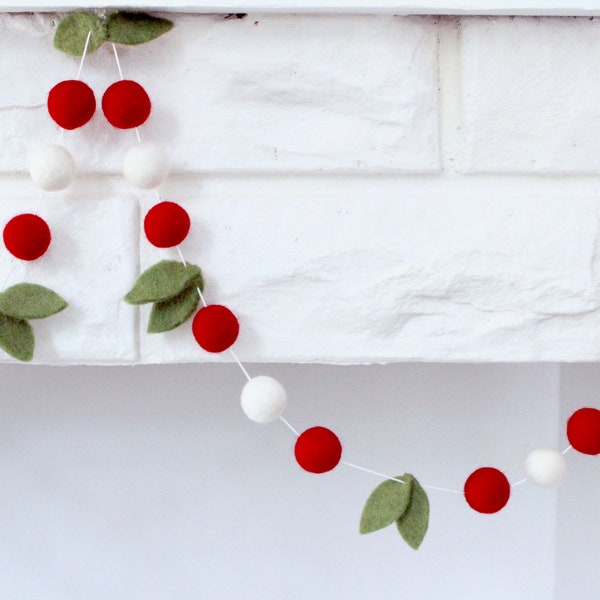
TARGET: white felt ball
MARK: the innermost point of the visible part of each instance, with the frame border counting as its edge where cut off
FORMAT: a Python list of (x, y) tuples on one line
[(145, 165), (263, 399), (52, 168), (546, 467)]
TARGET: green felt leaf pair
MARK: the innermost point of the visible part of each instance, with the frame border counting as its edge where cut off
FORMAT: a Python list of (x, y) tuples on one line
[(406, 504), (173, 288), (18, 304), (119, 28)]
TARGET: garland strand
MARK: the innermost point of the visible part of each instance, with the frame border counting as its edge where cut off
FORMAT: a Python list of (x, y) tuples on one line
[(399, 499), (175, 288)]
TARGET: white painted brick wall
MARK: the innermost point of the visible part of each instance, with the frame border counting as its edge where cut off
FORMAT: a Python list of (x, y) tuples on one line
[(362, 189), (262, 93), (530, 95)]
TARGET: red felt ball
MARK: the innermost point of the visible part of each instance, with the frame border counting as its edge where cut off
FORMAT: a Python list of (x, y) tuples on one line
[(166, 225), (71, 103), (27, 236), (487, 490), (318, 450), (215, 328), (583, 430), (126, 104)]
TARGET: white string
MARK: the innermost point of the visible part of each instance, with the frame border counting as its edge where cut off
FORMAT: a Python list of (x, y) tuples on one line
[(390, 478), (287, 424), (240, 365), (136, 129), (202, 298), (567, 449), (85, 49), (181, 256), (10, 270), (118, 62), (442, 489), (39, 202), (349, 464), (185, 264), (61, 135)]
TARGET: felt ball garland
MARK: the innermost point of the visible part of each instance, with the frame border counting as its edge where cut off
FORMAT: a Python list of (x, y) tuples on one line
[(317, 450), (175, 290)]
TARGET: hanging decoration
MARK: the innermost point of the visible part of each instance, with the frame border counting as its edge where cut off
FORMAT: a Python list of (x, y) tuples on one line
[(175, 288), (71, 104), (172, 288), (583, 431), (403, 501), (83, 33)]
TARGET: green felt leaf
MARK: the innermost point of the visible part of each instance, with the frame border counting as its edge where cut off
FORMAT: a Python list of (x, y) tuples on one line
[(30, 301), (73, 30), (16, 338), (136, 28), (163, 281), (413, 524), (172, 313), (385, 504)]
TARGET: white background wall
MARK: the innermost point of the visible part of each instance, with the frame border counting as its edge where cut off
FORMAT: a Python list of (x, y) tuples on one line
[(149, 483), (578, 575)]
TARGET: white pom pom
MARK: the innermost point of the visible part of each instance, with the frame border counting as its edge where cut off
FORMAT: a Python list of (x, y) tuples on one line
[(263, 399), (52, 168), (546, 467), (145, 165)]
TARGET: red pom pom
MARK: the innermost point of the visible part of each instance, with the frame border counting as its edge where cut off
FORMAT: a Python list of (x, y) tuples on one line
[(126, 104), (166, 225), (487, 490), (71, 103), (583, 430), (318, 450), (27, 236), (215, 328)]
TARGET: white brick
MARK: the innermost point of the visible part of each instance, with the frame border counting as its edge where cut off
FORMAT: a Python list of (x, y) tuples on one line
[(530, 95), (90, 262), (263, 93), (357, 271)]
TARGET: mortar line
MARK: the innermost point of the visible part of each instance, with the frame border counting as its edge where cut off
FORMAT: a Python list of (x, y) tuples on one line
[(449, 95)]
